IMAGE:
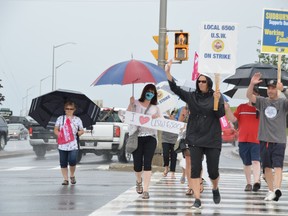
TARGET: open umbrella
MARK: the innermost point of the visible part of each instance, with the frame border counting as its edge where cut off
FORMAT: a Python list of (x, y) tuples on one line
[(244, 73), (240, 92), (46, 108), (131, 72)]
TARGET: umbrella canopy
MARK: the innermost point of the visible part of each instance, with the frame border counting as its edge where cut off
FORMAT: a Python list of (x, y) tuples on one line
[(46, 108), (130, 72), (244, 73), (240, 93)]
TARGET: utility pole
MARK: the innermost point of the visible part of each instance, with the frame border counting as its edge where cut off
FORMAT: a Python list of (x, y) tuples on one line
[(157, 159), (162, 34)]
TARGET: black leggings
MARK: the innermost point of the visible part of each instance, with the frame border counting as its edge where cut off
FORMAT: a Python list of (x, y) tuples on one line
[(144, 153), (212, 159), (169, 153)]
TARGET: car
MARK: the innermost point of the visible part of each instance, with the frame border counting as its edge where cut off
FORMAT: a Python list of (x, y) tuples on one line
[(230, 134), (3, 133), (17, 131)]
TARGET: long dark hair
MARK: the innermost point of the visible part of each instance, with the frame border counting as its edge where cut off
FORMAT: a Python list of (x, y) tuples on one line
[(146, 89)]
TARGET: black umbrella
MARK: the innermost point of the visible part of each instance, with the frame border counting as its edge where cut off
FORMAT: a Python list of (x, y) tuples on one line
[(244, 73), (242, 92), (46, 108)]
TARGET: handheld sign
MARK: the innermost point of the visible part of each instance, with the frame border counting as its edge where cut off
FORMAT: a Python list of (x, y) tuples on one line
[(157, 123), (275, 35), (217, 53)]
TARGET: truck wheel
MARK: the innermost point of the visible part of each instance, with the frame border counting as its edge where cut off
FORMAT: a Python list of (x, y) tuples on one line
[(79, 156), (2, 142), (123, 156), (40, 150), (107, 157)]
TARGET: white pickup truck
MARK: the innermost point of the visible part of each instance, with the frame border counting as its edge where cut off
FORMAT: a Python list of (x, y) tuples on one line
[(108, 137)]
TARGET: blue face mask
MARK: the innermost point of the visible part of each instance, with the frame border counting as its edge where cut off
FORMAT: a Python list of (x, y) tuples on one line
[(149, 96)]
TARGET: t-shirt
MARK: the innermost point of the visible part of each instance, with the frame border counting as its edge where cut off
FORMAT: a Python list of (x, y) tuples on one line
[(247, 123), (272, 127), (143, 131), (76, 125)]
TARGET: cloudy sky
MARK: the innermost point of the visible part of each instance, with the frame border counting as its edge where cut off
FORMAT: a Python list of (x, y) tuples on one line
[(105, 32)]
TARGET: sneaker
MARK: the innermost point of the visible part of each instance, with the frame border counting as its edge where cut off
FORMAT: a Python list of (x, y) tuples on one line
[(256, 186), (145, 195), (197, 204), (270, 196), (216, 196), (278, 194), (248, 187)]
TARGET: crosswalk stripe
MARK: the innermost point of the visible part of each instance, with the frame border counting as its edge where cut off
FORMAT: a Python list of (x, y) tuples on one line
[(19, 168), (167, 197)]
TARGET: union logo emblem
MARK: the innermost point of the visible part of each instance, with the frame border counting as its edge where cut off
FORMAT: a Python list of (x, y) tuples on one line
[(218, 45)]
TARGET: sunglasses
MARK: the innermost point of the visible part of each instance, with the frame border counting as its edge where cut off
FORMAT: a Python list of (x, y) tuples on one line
[(202, 81), (69, 108)]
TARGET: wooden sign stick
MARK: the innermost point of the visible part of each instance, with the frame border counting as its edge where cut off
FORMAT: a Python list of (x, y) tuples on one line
[(217, 84)]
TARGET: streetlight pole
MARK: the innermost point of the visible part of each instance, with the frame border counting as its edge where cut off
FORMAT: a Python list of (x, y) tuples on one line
[(56, 72), (26, 110), (53, 62), (41, 80)]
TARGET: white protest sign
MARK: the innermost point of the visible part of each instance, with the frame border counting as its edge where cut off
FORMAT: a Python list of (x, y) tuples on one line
[(157, 123), (217, 52), (166, 101)]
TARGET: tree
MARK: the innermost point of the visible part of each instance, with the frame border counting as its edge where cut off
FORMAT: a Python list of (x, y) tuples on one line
[(2, 98), (272, 58)]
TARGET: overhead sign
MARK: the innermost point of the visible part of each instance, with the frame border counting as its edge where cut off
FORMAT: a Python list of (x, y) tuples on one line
[(157, 123), (218, 43), (275, 31)]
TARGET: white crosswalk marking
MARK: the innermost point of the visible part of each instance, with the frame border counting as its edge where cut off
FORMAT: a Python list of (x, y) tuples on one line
[(19, 168), (167, 197)]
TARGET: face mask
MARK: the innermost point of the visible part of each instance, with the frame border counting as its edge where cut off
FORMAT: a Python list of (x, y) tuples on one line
[(149, 96)]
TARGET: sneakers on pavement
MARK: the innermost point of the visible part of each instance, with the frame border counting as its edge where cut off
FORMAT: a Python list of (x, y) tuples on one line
[(216, 196), (270, 196), (197, 204), (256, 186), (278, 194), (248, 187)]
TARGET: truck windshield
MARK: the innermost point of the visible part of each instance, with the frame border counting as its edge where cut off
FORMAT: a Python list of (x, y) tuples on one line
[(106, 116)]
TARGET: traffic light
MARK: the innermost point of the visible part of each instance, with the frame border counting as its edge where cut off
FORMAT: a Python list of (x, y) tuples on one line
[(181, 46), (155, 52)]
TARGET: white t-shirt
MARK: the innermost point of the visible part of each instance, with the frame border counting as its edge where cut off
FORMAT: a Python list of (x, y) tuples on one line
[(76, 124)]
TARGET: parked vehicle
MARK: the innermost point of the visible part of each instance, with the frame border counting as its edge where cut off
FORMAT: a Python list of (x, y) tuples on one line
[(107, 137), (42, 139), (17, 131), (230, 135), (3, 132)]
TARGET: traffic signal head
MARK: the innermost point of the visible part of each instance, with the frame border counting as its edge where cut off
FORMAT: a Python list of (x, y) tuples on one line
[(181, 46)]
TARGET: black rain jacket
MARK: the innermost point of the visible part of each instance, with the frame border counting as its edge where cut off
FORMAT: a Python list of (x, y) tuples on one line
[(203, 127)]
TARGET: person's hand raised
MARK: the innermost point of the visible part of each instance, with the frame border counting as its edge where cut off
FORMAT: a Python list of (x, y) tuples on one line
[(256, 78)]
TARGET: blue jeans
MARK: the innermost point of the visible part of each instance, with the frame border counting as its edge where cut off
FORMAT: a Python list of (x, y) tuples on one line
[(68, 157)]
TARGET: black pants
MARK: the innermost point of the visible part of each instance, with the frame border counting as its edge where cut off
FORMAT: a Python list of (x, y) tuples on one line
[(169, 154), (212, 159), (144, 153)]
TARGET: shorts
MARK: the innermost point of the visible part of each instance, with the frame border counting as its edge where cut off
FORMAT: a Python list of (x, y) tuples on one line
[(272, 154), (249, 152)]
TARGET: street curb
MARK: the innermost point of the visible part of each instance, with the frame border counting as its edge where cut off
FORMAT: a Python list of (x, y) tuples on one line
[(5, 154)]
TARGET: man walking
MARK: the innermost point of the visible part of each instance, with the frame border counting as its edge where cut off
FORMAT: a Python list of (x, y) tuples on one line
[(272, 133)]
